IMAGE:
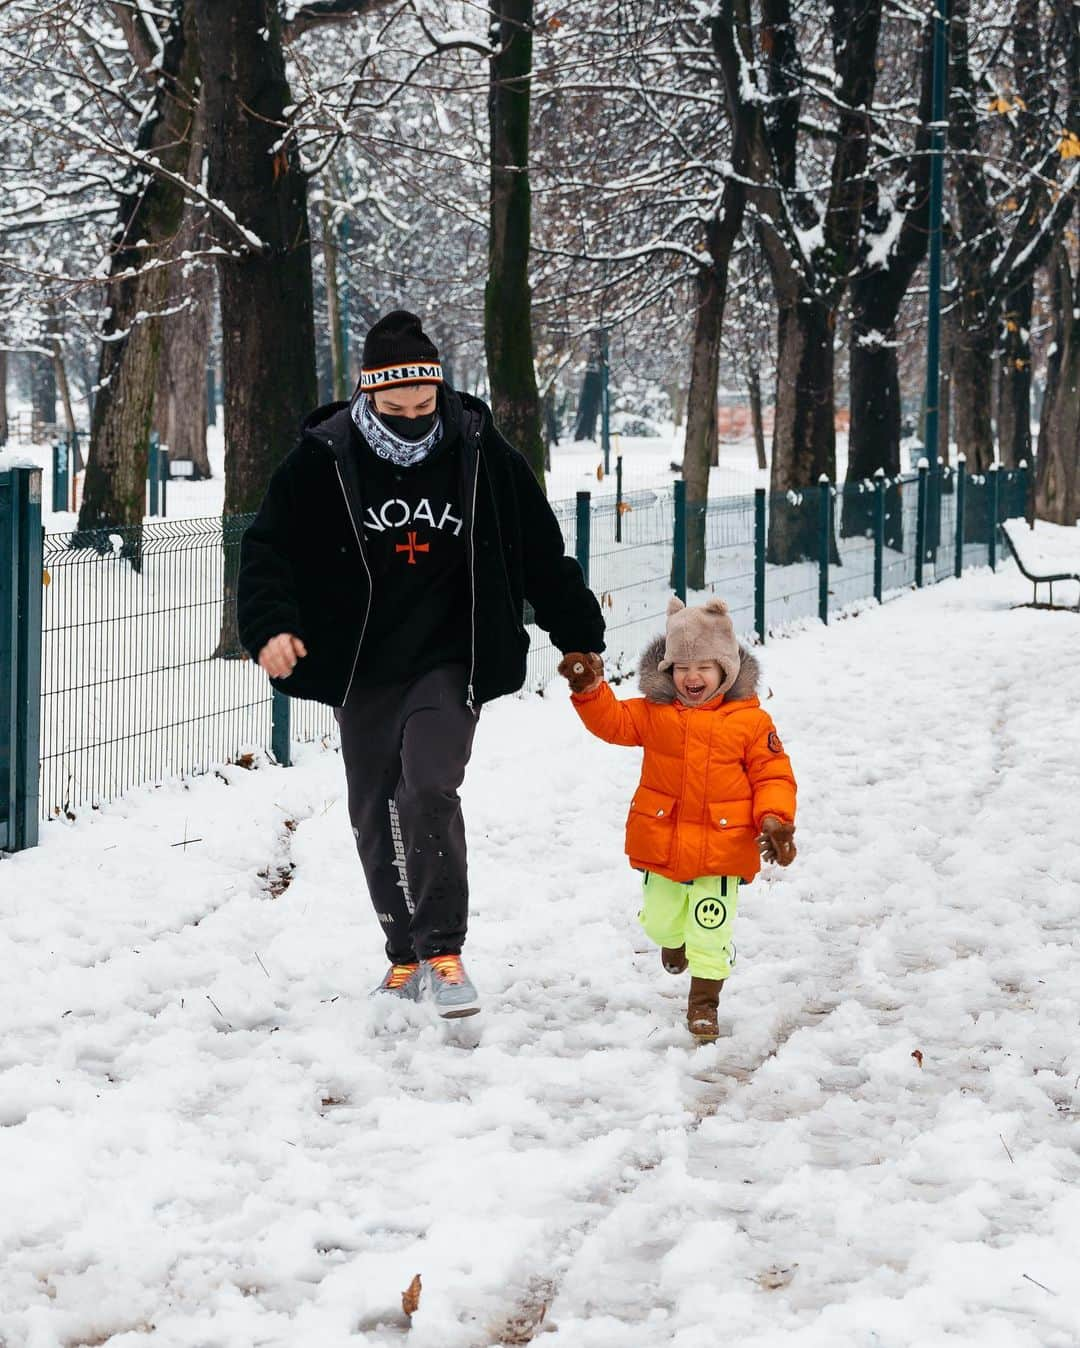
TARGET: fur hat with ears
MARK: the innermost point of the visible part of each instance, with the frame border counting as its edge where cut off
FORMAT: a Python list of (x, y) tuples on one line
[(697, 634)]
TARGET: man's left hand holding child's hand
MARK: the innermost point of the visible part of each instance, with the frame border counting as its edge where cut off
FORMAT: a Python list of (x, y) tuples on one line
[(584, 671)]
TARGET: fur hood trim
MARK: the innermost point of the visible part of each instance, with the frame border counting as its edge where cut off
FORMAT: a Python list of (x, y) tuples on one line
[(659, 686)]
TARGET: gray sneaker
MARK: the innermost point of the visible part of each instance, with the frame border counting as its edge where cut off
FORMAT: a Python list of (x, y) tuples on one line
[(402, 980), (449, 986)]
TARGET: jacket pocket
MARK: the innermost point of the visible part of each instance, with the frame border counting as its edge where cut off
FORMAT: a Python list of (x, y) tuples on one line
[(731, 814), (650, 826), (731, 846)]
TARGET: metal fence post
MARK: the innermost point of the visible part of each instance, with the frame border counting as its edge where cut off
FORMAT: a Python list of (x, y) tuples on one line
[(618, 500), (163, 477), (152, 474), (281, 728), (920, 524), (605, 402), (60, 462), (995, 513), (20, 656), (759, 563), (825, 538), (584, 523), (879, 534), (961, 494), (678, 558)]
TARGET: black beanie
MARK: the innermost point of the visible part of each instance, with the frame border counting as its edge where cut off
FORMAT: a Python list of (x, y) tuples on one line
[(396, 351)]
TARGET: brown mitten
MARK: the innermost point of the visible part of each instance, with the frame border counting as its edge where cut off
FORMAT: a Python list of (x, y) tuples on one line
[(776, 841), (582, 671)]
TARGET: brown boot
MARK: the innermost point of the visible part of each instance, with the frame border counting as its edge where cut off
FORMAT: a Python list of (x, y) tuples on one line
[(673, 958), (701, 1007)]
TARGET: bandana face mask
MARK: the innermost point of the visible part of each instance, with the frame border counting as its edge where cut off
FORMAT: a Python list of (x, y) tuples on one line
[(409, 428)]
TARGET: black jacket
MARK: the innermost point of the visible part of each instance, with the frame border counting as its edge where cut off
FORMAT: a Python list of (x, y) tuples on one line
[(303, 569)]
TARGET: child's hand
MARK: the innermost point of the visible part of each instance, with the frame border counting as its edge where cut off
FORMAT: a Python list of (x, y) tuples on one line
[(583, 671), (776, 840)]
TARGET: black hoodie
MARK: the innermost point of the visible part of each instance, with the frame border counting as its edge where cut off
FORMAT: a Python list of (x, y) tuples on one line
[(304, 567)]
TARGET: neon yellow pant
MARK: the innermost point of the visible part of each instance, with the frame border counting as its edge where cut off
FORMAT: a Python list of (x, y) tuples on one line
[(698, 915)]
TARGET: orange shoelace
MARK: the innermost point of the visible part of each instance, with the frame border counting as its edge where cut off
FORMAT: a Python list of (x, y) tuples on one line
[(448, 967), (399, 975)]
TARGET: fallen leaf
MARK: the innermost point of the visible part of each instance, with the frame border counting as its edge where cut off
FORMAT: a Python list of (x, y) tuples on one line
[(917, 1055), (772, 1279), (410, 1298)]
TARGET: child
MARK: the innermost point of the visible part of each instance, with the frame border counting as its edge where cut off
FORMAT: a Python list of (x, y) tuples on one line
[(716, 792)]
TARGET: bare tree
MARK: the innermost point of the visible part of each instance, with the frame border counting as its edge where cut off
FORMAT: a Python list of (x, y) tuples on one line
[(151, 209), (807, 194), (1008, 211)]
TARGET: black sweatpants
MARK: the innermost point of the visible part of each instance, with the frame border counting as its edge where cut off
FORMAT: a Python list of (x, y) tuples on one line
[(405, 748)]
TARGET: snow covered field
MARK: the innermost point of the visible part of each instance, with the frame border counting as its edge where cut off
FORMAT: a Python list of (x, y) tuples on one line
[(210, 1137)]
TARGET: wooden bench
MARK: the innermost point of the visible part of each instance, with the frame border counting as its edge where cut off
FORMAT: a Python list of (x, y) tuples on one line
[(1045, 554)]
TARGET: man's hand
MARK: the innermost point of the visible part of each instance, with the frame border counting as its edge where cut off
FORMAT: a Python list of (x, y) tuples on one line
[(776, 840), (280, 654), (582, 670)]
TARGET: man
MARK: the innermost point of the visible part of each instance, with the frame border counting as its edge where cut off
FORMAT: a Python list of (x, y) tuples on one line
[(385, 574)]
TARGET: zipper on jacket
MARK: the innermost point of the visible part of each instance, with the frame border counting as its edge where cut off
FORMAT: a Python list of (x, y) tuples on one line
[(371, 584), (470, 700)]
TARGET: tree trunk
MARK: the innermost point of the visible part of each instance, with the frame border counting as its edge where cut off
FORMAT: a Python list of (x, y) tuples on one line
[(42, 391), (508, 339), (804, 434), (877, 295), (1014, 378), (114, 489), (974, 251), (874, 437), (180, 412), (3, 397), (589, 400), (1057, 483), (973, 382), (701, 430), (338, 374), (874, 384), (677, 397), (551, 422), (267, 320), (757, 421), (65, 390)]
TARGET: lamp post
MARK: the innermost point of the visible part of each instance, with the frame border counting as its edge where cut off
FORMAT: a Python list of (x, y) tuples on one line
[(932, 426), (605, 403)]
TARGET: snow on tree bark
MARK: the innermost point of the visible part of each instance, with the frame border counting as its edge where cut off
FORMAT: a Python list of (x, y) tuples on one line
[(114, 490), (808, 239), (877, 293)]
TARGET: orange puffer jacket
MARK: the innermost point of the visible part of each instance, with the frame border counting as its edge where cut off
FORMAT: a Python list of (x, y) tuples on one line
[(710, 774)]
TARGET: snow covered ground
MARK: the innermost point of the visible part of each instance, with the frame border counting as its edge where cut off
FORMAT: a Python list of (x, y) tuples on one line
[(210, 1137)]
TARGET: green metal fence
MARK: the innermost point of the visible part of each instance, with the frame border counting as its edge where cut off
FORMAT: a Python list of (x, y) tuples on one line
[(137, 683)]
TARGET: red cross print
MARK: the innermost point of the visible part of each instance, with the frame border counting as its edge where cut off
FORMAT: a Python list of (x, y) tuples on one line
[(412, 547)]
